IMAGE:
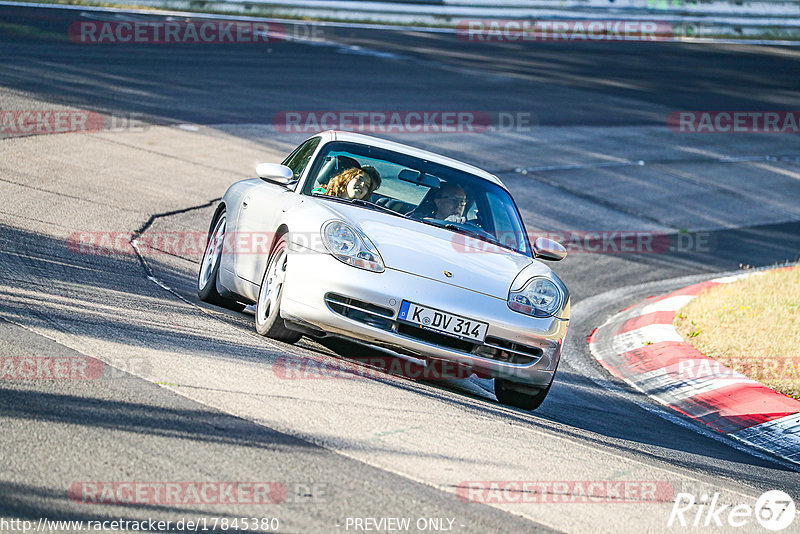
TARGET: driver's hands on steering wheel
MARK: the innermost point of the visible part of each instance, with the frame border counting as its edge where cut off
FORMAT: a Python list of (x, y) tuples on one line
[(456, 219)]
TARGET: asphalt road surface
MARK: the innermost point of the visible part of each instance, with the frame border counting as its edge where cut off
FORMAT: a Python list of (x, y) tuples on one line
[(189, 394)]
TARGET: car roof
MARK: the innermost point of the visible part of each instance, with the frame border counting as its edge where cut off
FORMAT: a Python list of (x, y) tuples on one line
[(339, 135)]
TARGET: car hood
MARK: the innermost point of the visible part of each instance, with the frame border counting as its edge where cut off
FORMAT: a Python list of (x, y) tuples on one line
[(428, 251)]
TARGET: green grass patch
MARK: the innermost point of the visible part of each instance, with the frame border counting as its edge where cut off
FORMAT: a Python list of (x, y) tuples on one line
[(751, 326)]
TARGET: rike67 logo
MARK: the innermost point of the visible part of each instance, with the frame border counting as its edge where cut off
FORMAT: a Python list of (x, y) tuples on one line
[(774, 510)]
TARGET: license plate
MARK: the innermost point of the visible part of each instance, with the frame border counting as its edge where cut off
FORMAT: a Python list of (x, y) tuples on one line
[(443, 322)]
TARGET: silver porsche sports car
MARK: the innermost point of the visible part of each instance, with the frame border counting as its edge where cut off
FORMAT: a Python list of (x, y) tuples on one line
[(362, 238)]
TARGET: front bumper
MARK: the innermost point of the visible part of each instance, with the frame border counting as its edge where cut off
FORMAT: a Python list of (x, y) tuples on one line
[(522, 349)]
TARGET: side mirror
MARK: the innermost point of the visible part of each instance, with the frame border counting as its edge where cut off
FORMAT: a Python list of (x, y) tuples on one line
[(275, 172), (547, 249)]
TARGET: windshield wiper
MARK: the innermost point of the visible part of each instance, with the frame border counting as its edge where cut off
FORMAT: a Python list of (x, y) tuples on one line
[(473, 233), (364, 203)]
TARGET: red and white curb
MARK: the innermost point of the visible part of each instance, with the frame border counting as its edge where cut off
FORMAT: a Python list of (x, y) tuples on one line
[(640, 346)]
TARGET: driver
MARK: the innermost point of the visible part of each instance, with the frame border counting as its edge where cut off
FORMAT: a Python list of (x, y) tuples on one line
[(449, 202)]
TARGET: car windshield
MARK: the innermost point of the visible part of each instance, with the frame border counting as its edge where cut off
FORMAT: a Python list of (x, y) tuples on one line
[(418, 189)]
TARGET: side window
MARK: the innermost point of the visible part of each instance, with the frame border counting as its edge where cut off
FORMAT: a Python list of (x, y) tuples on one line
[(298, 159), (506, 229)]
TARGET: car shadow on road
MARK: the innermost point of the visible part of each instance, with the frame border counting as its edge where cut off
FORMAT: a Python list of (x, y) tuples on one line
[(576, 407), (97, 410), (36, 259)]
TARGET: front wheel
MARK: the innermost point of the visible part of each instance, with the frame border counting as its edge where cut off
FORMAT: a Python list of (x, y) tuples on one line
[(508, 394), (268, 307)]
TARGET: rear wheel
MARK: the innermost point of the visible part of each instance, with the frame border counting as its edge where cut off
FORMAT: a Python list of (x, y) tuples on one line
[(268, 307), (209, 268), (519, 396)]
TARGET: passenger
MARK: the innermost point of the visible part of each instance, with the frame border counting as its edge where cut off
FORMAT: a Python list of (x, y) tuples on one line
[(354, 183), (336, 165), (374, 174), (447, 204)]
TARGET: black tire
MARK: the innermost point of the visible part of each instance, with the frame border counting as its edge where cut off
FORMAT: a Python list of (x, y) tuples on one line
[(511, 395), (207, 276), (268, 307)]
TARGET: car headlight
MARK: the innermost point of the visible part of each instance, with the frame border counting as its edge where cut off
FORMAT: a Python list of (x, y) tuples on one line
[(540, 297), (350, 246)]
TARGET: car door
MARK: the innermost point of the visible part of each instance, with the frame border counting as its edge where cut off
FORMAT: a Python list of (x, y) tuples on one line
[(261, 212)]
